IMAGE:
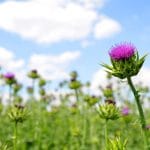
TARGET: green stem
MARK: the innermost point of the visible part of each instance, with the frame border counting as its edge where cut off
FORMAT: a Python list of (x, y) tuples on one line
[(10, 87), (106, 135), (33, 86), (84, 127), (76, 94), (141, 112), (15, 136)]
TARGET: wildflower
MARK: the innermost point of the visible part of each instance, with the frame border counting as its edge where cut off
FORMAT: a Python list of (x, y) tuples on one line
[(9, 75), (125, 61), (125, 111), (9, 78), (122, 51), (147, 127)]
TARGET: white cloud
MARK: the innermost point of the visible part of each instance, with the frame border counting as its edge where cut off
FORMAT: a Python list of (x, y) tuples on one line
[(9, 62), (143, 76), (99, 79), (106, 27), (53, 66), (50, 21)]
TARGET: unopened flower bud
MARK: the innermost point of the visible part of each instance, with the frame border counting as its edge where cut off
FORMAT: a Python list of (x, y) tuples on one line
[(18, 114), (75, 85), (109, 112), (33, 74)]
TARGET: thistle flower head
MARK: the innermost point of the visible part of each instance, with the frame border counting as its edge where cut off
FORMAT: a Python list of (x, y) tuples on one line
[(125, 61), (122, 51), (9, 75), (125, 111)]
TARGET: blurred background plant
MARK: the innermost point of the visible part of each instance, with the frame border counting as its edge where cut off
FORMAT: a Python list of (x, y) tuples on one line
[(67, 118)]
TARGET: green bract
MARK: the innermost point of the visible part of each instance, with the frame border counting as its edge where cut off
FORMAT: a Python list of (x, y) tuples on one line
[(126, 67), (91, 100), (33, 74), (75, 84), (73, 74), (117, 144), (42, 82), (18, 114), (109, 112)]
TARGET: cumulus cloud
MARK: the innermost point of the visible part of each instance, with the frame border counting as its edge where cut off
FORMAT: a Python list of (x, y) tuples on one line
[(50, 21), (106, 27), (51, 67), (9, 62), (99, 79), (143, 76)]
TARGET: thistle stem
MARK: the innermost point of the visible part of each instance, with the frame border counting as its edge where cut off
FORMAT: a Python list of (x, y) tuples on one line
[(141, 112), (10, 88), (33, 86), (15, 136), (106, 135), (76, 94)]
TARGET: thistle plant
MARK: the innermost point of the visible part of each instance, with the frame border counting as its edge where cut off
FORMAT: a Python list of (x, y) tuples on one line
[(126, 63), (75, 84), (9, 80), (117, 144), (33, 74), (16, 88), (108, 112), (125, 111), (3, 146), (91, 100), (17, 114), (42, 90)]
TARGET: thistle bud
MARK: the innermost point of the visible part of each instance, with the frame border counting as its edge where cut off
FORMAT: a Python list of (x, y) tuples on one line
[(42, 92), (73, 74), (30, 90), (109, 112), (18, 114), (108, 93), (17, 87), (117, 144), (91, 100), (42, 82), (33, 74), (74, 85)]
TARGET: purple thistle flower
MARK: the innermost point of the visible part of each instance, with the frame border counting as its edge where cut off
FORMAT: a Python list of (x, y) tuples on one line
[(125, 111), (9, 75), (122, 51), (147, 127)]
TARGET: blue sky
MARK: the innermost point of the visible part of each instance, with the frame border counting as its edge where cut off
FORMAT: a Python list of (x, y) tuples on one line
[(76, 35)]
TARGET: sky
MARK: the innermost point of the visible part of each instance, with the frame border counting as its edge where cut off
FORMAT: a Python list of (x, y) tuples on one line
[(59, 36)]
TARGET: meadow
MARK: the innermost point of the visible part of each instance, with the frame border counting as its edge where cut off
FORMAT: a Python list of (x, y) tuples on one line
[(115, 119), (76, 123)]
